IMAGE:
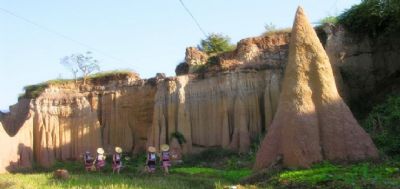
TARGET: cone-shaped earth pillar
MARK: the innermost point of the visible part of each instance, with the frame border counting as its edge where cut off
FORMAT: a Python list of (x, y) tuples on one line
[(312, 123)]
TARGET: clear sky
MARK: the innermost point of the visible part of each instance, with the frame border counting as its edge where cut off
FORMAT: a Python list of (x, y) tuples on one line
[(146, 36)]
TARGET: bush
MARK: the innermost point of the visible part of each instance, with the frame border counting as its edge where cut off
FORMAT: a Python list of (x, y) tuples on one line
[(383, 124), (179, 136), (216, 44), (182, 69), (372, 17), (329, 20)]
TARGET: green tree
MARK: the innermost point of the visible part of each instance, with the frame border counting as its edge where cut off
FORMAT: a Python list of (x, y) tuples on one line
[(215, 44), (83, 63)]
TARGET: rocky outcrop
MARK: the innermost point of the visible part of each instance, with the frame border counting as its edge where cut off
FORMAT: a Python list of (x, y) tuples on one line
[(312, 123), (195, 58)]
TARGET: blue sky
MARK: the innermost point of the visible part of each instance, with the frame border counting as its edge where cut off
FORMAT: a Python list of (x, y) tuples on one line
[(146, 36)]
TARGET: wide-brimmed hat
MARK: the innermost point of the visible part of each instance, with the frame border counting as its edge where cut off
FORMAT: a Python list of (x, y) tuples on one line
[(100, 150), (151, 149), (118, 149), (87, 152), (164, 147)]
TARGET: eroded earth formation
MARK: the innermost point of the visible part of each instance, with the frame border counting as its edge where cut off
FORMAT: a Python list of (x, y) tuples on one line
[(224, 101), (312, 122)]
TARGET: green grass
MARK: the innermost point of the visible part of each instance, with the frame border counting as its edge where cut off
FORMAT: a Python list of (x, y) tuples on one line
[(113, 73), (213, 168), (33, 91), (106, 180), (132, 176), (360, 175), (229, 175)]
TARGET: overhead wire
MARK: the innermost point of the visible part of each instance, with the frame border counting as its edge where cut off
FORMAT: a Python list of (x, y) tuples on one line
[(193, 18), (61, 35)]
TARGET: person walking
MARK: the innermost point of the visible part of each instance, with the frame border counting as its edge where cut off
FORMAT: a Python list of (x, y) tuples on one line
[(101, 159), (165, 158), (117, 160), (151, 159)]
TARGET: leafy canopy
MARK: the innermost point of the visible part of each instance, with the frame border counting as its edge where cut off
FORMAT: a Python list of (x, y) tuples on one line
[(215, 44), (373, 17)]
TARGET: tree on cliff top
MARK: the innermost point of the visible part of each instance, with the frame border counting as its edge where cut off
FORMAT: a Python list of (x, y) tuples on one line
[(215, 44), (83, 63)]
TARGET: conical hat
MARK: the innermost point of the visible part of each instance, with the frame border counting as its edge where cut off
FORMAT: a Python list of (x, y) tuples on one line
[(164, 147), (151, 149), (100, 150), (118, 149)]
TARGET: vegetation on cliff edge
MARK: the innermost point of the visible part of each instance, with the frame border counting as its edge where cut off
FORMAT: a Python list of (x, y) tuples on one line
[(33, 91), (372, 17)]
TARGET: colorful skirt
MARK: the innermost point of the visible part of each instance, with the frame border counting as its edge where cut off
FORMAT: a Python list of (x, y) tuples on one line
[(166, 163), (100, 163), (152, 165), (117, 165)]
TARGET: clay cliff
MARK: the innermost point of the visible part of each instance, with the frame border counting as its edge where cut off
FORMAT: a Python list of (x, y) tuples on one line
[(367, 69), (230, 104), (67, 119)]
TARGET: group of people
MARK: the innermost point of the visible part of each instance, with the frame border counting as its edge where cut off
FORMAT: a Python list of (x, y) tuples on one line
[(151, 159), (98, 163)]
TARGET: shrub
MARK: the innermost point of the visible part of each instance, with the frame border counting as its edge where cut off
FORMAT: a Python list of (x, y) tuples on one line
[(329, 20), (372, 17), (216, 44), (179, 136), (182, 69), (383, 124)]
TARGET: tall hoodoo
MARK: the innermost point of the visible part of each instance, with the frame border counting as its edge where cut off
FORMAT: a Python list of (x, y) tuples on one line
[(312, 123)]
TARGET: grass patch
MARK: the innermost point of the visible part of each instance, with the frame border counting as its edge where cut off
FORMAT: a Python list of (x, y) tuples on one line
[(230, 175), (113, 73), (34, 91), (106, 180), (277, 31), (327, 175), (211, 175)]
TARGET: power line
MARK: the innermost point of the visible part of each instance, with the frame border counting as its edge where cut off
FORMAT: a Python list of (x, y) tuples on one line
[(194, 19), (60, 35)]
